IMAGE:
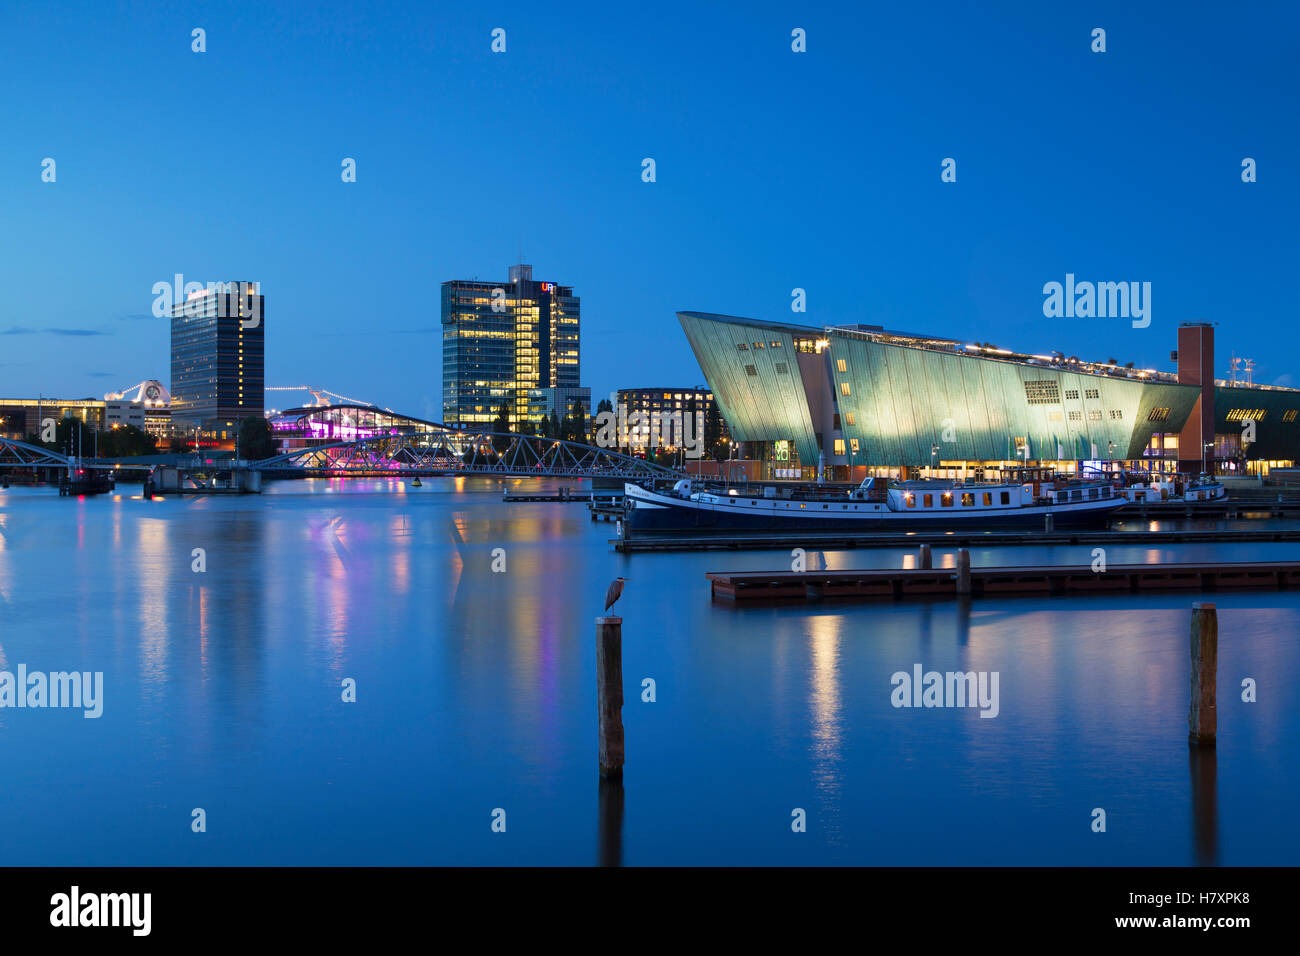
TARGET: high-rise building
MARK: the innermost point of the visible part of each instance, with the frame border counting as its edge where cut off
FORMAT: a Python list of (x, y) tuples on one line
[(512, 343), (218, 365)]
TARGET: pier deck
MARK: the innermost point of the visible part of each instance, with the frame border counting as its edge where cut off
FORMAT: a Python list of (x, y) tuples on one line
[(890, 584), (843, 541)]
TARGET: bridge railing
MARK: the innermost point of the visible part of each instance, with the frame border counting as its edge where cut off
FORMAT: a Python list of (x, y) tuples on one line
[(467, 452)]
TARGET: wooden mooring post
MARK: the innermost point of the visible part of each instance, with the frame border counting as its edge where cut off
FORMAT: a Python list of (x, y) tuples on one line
[(926, 560), (1202, 714), (609, 695), (963, 571)]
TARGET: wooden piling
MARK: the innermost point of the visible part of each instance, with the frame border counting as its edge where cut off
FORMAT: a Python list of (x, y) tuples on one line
[(1202, 714), (609, 695), (1047, 523), (926, 561), (963, 571)]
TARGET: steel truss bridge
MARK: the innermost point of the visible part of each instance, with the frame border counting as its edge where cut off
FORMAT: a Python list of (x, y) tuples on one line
[(431, 454), (452, 452), (19, 454)]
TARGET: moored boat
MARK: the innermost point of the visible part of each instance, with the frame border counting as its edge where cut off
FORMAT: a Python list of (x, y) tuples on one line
[(875, 505)]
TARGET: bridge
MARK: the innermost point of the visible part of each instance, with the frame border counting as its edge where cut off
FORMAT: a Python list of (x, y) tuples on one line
[(459, 452), (445, 451), (19, 454)]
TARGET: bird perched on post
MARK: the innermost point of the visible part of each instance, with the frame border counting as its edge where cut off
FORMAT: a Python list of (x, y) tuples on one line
[(615, 590)]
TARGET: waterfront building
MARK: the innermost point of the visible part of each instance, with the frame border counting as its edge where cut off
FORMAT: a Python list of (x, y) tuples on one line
[(864, 400), (659, 404), (20, 417), (297, 428), (146, 405), (218, 360), (512, 343)]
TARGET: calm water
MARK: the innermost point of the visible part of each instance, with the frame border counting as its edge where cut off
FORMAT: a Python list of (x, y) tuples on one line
[(476, 691)]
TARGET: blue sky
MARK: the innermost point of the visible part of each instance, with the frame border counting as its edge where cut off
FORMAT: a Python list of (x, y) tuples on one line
[(775, 170)]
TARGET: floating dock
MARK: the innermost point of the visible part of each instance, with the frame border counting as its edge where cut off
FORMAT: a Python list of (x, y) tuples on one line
[(843, 541), (766, 587)]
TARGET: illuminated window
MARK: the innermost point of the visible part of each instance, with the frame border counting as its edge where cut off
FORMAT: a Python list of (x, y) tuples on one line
[(848, 417), (1289, 415), (853, 445), (1158, 415), (842, 365), (968, 499), (1042, 393), (844, 388), (945, 500), (1076, 416), (742, 346), (910, 499), (988, 498), (1094, 414), (839, 446), (929, 501)]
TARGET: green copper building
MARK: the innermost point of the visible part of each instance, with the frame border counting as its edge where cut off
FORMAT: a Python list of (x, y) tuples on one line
[(878, 402)]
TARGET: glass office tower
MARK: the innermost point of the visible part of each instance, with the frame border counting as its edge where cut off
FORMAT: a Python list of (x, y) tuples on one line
[(503, 342), (218, 365)]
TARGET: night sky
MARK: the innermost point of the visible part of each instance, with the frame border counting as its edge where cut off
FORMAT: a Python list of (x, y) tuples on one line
[(775, 170)]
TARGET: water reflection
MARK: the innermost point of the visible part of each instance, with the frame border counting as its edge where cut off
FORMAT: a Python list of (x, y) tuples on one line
[(610, 811), (1203, 762)]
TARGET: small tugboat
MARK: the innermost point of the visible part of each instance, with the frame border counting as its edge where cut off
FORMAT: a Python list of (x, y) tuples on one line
[(877, 505)]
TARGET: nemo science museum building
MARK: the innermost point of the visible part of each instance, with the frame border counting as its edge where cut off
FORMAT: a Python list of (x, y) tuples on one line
[(860, 400)]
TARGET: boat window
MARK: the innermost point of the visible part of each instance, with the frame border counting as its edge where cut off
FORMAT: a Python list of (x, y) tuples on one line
[(1105, 492), (1092, 492), (988, 498), (1076, 495), (946, 499), (910, 499), (1006, 497), (929, 501), (968, 499)]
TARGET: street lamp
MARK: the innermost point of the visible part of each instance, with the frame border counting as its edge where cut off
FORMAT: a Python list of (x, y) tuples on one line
[(1205, 449)]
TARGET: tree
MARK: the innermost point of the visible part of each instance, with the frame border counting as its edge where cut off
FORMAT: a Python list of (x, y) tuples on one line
[(126, 441), (255, 440), (578, 423), (713, 433), (499, 425), (555, 425), (604, 406)]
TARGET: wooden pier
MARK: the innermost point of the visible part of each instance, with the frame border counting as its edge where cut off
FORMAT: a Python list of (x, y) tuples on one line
[(888, 584), (844, 541)]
